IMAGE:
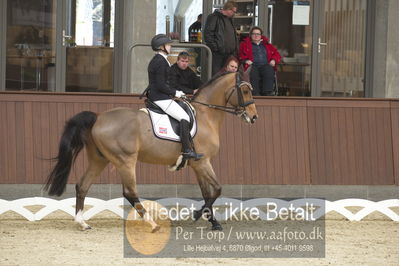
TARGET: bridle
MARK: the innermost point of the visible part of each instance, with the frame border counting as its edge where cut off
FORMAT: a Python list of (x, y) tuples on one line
[(240, 109)]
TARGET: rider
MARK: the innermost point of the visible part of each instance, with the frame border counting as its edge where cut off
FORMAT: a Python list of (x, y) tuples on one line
[(162, 95)]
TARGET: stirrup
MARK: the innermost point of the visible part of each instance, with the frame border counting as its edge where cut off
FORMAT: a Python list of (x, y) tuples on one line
[(192, 155)]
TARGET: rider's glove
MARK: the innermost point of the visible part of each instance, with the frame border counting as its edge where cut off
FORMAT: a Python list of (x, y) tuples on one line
[(179, 94)]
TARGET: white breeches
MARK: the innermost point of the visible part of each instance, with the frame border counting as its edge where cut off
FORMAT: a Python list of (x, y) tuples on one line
[(173, 109)]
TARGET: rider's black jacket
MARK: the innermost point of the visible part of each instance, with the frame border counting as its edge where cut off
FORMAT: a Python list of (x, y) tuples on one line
[(158, 88)]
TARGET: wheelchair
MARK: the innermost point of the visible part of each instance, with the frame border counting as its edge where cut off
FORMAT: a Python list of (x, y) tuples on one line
[(275, 85), (275, 91)]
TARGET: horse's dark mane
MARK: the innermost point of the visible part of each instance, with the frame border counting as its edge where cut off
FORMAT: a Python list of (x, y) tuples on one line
[(214, 78)]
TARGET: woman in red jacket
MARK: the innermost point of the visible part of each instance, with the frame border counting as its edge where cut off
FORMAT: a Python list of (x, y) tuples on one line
[(256, 50)]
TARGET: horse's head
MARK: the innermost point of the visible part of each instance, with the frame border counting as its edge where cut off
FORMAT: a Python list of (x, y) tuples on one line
[(228, 89), (241, 98)]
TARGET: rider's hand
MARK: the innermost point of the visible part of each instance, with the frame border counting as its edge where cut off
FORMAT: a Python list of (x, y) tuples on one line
[(179, 94)]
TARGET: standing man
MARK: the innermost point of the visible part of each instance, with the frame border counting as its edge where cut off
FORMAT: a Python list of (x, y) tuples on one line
[(194, 35), (220, 35), (181, 77), (194, 29)]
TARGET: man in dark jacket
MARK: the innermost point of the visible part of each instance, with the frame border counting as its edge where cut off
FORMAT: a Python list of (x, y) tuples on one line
[(194, 29), (181, 77), (220, 35)]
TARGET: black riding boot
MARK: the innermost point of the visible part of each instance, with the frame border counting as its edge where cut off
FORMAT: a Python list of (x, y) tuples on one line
[(188, 152)]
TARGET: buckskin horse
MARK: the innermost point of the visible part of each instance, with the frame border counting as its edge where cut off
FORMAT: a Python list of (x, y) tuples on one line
[(122, 136)]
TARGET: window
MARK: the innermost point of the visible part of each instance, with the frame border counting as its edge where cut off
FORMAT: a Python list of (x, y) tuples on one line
[(94, 22), (90, 50)]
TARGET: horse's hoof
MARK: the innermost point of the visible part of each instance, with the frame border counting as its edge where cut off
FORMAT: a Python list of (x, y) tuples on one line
[(155, 229), (197, 215), (217, 227), (85, 227)]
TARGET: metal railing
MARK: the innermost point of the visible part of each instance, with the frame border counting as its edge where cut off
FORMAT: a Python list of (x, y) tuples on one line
[(184, 45)]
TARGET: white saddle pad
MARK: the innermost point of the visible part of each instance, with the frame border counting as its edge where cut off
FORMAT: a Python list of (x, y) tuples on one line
[(162, 127)]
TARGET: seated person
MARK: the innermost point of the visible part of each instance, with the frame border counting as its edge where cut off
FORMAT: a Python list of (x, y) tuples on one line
[(256, 50), (231, 65), (181, 77)]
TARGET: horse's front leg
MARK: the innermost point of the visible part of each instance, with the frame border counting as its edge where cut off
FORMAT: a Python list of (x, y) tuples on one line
[(210, 189)]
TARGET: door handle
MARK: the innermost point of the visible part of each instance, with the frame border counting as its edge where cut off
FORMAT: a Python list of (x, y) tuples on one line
[(65, 38), (321, 44)]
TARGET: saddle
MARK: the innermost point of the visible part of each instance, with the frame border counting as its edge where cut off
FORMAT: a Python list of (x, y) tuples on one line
[(165, 126)]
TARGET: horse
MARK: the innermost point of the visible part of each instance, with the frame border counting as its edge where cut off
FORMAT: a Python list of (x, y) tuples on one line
[(122, 136)]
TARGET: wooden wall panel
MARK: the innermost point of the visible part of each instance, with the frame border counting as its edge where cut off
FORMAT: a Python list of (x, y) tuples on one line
[(29, 141), (3, 142), (395, 138), (278, 144), (53, 132), (20, 142), (295, 141), (351, 145), (44, 123), (11, 152)]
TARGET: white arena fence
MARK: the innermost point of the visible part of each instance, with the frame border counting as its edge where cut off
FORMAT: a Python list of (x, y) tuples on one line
[(116, 206)]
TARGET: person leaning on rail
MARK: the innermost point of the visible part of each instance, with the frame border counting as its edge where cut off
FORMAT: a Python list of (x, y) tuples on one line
[(231, 65)]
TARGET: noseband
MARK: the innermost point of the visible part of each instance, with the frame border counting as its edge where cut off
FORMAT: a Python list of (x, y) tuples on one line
[(240, 108)]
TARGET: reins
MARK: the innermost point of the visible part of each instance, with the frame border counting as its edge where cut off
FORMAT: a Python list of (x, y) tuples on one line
[(236, 110), (227, 109)]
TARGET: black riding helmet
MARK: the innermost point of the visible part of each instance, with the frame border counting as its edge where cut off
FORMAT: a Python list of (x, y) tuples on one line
[(159, 41)]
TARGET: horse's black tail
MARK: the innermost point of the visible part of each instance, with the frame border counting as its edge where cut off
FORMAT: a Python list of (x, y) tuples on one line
[(72, 141)]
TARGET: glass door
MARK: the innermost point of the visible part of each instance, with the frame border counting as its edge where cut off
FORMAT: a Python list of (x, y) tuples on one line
[(60, 45), (31, 45), (89, 43), (341, 48), (246, 17), (290, 31)]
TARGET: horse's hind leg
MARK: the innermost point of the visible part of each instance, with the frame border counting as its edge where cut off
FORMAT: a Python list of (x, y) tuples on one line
[(210, 189), (96, 165), (128, 173)]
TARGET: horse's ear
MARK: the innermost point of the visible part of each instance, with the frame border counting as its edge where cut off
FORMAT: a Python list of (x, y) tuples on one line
[(245, 75), (241, 69)]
